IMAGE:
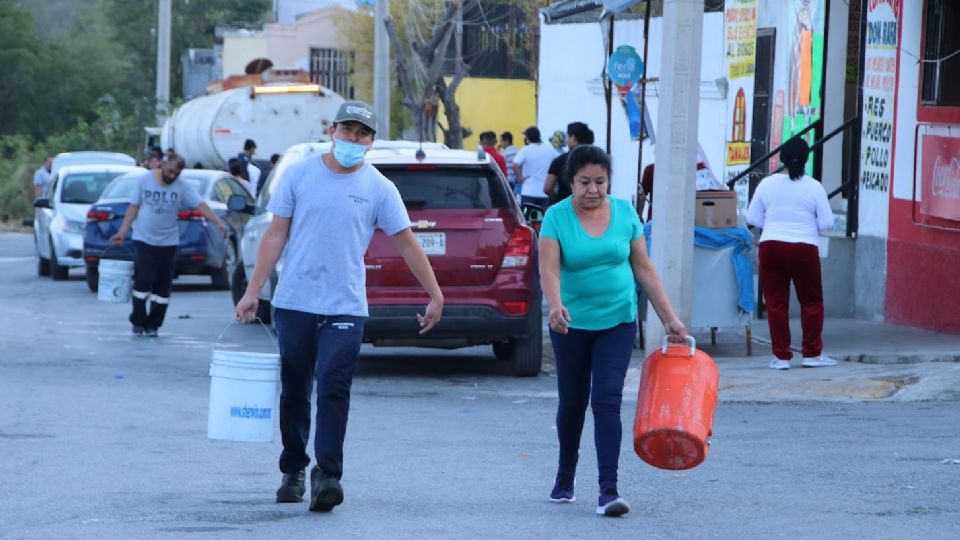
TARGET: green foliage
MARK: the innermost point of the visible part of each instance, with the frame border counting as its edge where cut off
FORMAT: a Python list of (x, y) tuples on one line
[(193, 23), (80, 75)]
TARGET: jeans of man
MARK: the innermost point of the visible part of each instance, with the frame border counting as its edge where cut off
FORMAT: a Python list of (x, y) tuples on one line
[(324, 348), (153, 279), (591, 367)]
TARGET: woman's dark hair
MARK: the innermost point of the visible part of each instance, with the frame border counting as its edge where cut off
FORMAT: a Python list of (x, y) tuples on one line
[(583, 155), (794, 156)]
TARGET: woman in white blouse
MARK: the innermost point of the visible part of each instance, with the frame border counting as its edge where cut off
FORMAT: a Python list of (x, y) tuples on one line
[(792, 209)]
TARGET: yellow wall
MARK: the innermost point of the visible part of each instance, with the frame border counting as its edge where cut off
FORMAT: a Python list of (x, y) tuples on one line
[(494, 105)]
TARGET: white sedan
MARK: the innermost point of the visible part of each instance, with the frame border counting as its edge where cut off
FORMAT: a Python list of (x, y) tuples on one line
[(61, 215)]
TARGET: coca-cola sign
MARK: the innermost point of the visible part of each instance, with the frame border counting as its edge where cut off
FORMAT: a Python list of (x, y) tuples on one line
[(941, 177)]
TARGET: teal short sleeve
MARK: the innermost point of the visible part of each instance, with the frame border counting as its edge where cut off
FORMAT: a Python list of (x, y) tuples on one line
[(549, 227)]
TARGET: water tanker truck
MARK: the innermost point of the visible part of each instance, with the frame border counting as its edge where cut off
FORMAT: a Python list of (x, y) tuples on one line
[(277, 110)]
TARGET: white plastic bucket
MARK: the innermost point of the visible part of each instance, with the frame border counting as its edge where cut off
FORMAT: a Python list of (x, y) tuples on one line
[(116, 281), (243, 396)]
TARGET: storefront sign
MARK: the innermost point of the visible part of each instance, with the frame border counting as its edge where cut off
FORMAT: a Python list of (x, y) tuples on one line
[(625, 68), (940, 177), (740, 29), (879, 90)]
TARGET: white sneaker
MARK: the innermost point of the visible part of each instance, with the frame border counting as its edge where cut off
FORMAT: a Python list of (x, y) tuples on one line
[(819, 361), (777, 363)]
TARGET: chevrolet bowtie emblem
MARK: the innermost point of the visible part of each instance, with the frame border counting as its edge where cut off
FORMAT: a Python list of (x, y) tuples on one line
[(424, 224)]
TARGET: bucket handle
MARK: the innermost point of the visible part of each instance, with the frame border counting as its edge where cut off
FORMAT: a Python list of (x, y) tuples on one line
[(690, 340), (115, 247), (259, 320)]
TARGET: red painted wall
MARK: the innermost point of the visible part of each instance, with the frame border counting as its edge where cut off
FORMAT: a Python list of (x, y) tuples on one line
[(923, 263), (923, 273)]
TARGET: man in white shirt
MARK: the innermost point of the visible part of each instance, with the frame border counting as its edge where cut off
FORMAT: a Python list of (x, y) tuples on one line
[(531, 167), (509, 152), (41, 178)]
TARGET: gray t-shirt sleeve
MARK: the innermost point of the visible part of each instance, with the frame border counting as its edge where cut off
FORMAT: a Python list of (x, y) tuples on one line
[(190, 196), (283, 201), (392, 215), (136, 197)]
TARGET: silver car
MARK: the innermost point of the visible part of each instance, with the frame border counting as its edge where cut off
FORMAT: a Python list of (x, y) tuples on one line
[(61, 215)]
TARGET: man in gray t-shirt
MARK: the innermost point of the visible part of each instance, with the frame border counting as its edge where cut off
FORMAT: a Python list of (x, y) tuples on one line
[(325, 211), (157, 199)]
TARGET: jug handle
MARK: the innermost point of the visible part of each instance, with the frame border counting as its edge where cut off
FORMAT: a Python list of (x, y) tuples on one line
[(690, 340)]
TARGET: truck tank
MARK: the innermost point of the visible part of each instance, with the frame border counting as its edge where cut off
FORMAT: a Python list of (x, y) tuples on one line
[(212, 129)]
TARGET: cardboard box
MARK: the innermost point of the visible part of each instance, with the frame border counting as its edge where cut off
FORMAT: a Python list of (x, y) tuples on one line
[(716, 209)]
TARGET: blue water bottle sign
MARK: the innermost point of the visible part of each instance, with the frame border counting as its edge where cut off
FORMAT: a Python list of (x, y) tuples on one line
[(625, 68)]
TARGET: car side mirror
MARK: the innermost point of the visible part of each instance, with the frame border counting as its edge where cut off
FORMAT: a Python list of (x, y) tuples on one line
[(27, 222), (238, 203), (41, 202), (532, 212)]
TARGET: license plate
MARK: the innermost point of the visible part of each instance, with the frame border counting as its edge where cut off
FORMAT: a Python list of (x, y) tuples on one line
[(434, 243)]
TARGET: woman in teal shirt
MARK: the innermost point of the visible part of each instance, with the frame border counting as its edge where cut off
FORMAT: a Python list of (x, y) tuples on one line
[(591, 255)]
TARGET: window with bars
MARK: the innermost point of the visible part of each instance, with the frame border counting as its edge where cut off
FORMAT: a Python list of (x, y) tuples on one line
[(333, 68), (941, 54)]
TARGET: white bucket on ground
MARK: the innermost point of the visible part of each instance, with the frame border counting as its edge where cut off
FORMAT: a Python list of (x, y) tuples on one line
[(243, 396), (116, 281)]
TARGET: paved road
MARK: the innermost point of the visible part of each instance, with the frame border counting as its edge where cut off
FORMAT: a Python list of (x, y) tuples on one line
[(104, 436)]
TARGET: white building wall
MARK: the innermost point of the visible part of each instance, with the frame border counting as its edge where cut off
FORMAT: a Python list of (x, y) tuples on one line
[(908, 95), (570, 89)]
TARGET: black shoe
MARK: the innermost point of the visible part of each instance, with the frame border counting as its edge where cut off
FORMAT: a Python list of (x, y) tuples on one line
[(150, 332), (138, 330), (292, 487), (325, 491)]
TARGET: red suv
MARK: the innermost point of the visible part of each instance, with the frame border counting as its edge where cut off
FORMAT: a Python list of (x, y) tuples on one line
[(482, 251)]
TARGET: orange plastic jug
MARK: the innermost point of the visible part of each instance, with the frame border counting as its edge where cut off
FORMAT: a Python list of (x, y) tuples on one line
[(678, 394)]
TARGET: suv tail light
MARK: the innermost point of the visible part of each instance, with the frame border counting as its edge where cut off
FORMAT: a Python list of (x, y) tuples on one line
[(100, 215), (519, 248), (185, 215)]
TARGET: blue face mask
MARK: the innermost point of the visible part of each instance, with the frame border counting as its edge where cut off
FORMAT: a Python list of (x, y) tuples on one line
[(348, 154)]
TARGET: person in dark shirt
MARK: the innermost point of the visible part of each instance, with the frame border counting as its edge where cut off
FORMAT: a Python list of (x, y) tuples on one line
[(557, 186), (249, 148)]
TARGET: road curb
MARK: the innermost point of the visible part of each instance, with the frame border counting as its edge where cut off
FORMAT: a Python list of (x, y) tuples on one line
[(882, 358)]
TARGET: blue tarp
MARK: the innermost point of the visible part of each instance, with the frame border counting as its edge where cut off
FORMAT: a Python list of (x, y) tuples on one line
[(741, 241)]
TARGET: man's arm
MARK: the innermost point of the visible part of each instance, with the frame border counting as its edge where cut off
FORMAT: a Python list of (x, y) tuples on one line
[(548, 185), (517, 176), (418, 263), (131, 215), (271, 246), (208, 213)]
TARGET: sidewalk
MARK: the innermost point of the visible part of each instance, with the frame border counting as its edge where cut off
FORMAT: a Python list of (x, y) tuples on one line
[(876, 361)]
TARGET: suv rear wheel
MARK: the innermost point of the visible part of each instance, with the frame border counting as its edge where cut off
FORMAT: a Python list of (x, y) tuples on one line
[(220, 277), (526, 355)]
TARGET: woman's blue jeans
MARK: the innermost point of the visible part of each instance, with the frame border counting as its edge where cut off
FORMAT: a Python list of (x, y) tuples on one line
[(591, 367)]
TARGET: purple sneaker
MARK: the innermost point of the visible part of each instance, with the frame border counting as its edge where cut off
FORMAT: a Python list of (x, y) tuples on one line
[(611, 504), (563, 489)]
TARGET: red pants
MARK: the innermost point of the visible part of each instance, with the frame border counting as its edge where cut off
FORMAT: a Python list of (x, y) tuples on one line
[(781, 263)]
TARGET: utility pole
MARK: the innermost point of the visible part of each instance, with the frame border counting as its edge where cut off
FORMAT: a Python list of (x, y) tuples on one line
[(671, 246), (163, 57), (381, 69)]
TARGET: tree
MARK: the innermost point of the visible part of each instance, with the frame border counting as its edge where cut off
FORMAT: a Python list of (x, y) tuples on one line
[(428, 53), (192, 26), (421, 75)]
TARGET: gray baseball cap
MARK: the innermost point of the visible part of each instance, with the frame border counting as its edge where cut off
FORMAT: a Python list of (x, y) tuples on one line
[(357, 111)]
